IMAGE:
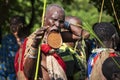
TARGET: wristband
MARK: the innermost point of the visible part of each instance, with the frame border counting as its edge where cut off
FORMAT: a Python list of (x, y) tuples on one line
[(33, 51), (31, 56), (67, 25)]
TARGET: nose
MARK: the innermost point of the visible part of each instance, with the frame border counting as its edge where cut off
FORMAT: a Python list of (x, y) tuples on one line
[(57, 24)]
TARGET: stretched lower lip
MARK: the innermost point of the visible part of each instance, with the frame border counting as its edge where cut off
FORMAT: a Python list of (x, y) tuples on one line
[(54, 39), (54, 30)]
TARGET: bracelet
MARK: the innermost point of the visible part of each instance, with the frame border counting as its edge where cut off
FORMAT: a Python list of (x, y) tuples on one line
[(67, 25), (31, 56), (33, 51)]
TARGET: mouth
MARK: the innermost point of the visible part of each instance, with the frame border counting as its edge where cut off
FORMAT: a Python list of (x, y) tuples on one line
[(53, 29), (54, 39), (13, 30)]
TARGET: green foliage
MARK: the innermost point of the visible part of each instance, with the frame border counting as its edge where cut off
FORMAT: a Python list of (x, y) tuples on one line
[(108, 9), (81, 8), (108, 6)]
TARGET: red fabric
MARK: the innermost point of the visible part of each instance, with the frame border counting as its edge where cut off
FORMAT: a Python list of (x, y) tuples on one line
[(60, 61), (112, 54), (95, 59), (23, 51), (45, 48), (16, 63)]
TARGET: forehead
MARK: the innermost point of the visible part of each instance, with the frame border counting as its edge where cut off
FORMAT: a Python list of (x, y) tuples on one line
[(55, 13)]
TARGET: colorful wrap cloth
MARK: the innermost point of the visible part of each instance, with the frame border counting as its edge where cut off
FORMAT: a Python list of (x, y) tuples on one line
[(18, 63), (55, 65), (95, 61), (45, 48), (75, 64)]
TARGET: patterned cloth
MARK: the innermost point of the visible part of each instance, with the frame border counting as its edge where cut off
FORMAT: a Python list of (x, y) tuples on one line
[(76, 64), (7, 53), (55, 65), (55, 71), (94, 57), (72, 59), (58, 69)]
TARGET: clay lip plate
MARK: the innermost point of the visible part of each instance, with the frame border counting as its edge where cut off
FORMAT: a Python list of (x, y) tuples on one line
[(54, 40)]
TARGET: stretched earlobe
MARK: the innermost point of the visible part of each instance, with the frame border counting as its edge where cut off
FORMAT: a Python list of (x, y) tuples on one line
[(114, 41)]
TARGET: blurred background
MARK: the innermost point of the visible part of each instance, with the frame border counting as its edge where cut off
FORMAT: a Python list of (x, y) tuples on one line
[(87, 10)]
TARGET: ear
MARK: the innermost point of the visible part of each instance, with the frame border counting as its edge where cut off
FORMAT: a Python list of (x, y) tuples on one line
[(115, 40)]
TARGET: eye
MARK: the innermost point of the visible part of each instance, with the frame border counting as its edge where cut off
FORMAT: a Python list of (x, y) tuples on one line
[(55, 19)]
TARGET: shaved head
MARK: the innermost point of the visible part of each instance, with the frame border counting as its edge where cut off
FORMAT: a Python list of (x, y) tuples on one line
[(52, 7), (107, 33), (54, 13), (73, 20)]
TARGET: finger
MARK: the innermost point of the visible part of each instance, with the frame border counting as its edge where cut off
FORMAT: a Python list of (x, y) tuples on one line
[(39, 33), (38, 37), (44, 28)]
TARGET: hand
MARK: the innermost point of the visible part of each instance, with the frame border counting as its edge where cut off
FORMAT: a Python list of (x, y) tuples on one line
[(38, 37)]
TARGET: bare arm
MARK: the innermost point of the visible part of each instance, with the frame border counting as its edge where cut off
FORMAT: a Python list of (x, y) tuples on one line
[(30, 59), (74, 33), (29, 67), (78, 31)]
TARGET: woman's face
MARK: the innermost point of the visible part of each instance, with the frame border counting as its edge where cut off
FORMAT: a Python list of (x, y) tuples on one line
[(14, 28), (55, 19)]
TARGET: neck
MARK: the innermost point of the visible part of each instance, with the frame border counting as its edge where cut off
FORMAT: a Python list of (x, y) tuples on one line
[(107, 44)]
